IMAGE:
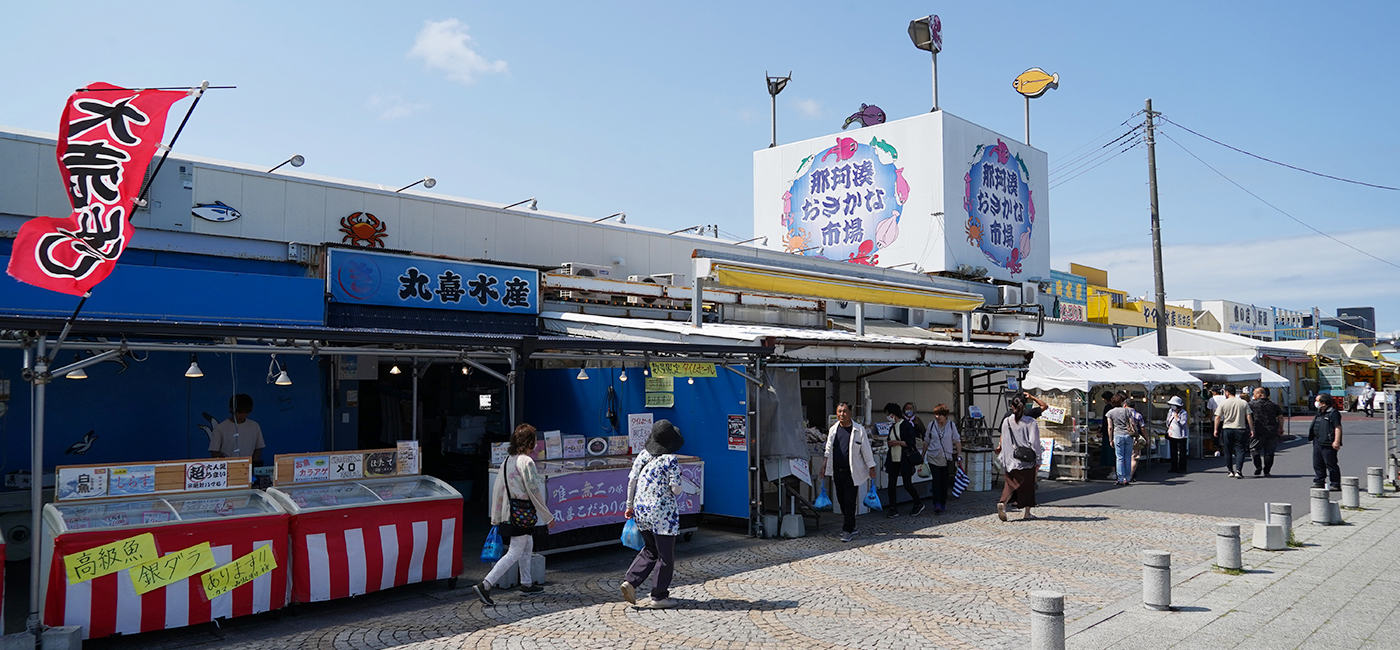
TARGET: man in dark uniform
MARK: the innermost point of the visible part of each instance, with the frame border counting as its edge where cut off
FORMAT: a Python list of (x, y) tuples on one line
[(1326, 436), (1268, 426)]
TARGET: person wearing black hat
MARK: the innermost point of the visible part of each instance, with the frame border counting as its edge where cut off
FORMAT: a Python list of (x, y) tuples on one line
[(652, 488)]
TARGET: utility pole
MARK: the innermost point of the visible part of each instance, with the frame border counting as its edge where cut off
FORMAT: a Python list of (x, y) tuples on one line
[(1156, 236)]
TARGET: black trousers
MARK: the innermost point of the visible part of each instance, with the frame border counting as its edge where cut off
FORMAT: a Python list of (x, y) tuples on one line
[(1325, 465), (938, 487), (908, 475), (1236, 448), (1178, 449), (1264, 448), (659, 552), (846, 496)]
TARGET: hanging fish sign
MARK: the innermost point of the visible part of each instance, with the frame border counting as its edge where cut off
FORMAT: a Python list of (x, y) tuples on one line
[(216, 211)]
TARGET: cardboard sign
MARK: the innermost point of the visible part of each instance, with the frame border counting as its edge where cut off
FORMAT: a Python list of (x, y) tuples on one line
[(660, 385), (500, 451), (171, 568), (345, 466), (638, 430), (311, 468), (801, 470), (239, 572), (408, 461), (131, 480), (573, 446), (553, 445), (661, 400), (109, 558), (617, 445), (1053, 414), (682, 369), (381, 463), (211, 475)]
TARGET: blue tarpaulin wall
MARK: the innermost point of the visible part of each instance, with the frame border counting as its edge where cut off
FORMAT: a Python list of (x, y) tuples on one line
[(151, 411), (558, 399)]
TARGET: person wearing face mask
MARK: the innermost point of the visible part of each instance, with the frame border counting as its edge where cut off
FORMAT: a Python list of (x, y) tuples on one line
[(901, 461), (1326, 436), (912, 415), (943, 451)]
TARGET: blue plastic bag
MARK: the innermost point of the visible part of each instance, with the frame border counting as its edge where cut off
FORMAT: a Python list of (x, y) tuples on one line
[(872, 497), (494, 547), (632, 536), (823, 501)]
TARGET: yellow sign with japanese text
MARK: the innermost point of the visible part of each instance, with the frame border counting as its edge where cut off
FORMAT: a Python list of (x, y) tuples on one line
[(682, 369), (109, 558), (239, 572), (172, 568)]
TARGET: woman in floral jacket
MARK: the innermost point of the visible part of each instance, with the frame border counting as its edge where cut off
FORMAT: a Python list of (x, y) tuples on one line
[(652, 488)]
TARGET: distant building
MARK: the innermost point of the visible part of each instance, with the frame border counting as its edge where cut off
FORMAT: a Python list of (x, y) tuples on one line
[(1357, 323)]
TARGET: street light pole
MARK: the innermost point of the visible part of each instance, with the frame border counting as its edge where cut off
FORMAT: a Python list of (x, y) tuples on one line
[(1156, 236)]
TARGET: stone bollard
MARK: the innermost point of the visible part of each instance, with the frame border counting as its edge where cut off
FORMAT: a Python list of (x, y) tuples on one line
[(1374, 486), (1270, 537), (1321, 507), (1157, 580), (1281, 514), (1227, 546), (1047, 620), (1351, 492), (1334, 513)]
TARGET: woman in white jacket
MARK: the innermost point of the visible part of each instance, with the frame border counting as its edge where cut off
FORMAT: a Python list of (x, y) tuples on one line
[(517, 507), (849, 460)]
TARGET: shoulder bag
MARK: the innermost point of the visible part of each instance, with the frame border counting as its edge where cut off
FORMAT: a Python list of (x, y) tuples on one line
[(1022, 453), (522, 511)]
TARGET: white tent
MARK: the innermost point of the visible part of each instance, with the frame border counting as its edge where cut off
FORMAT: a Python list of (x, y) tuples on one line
[(1225, 370), (1071, 366)]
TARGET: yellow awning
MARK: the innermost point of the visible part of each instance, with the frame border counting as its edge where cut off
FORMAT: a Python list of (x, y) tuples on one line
[(848, 289)]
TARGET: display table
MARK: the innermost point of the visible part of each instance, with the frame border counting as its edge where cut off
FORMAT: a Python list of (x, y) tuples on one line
[(234, 523)]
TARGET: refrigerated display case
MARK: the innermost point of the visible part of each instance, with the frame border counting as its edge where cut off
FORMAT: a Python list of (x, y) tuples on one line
[(355, 537), (233, 522)]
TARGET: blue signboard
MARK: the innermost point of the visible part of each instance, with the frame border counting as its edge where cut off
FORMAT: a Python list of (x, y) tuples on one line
[(364, 278)]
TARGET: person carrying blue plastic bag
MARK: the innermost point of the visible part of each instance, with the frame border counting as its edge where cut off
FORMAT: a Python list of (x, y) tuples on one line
[(517, 508), (652, 488), (849, 462)]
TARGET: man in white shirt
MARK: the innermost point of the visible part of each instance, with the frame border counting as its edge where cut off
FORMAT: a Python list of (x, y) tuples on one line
[(238, 436)]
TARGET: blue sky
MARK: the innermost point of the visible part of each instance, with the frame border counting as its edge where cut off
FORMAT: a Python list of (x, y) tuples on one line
[(656, 108)]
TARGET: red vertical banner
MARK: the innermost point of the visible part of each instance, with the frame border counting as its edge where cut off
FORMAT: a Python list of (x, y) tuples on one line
[(106, 140)]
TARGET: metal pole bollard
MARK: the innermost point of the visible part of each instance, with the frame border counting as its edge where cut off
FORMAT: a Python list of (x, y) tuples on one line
[(1281, 514), (1157, 580), (1047, 620), (1373, 481), (1351, 492), (1321, 507), (1227, 546)]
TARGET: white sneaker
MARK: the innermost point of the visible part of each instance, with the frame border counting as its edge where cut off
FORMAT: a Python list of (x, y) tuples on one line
[(664, 603)]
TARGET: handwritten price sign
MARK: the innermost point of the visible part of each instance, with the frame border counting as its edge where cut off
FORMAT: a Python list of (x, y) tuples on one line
[(110, 558), (239, 572)]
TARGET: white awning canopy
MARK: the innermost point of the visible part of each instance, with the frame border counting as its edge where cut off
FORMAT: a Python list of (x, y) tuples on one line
[(1230, 370), (1071, 366)]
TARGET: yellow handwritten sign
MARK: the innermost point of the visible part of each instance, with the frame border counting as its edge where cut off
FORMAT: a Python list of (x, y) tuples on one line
[(172, 568), (239, 572), (682, 369), (110, 558)]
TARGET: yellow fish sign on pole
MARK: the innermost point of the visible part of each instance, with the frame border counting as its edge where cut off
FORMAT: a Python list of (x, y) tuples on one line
[(1033, 83)]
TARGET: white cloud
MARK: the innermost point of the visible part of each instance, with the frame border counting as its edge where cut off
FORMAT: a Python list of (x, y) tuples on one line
[(444, 46), (810, 108), (393, 106), (1297, 272)]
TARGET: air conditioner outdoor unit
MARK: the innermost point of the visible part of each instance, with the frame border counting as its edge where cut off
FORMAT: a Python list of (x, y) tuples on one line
[(982, 322), (1030, 293), (643, 300), (1010, 295), (583, 271)]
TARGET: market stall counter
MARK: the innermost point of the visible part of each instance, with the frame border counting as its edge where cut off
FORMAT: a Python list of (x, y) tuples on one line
[(589, 495), (353, 534), (140, 547)]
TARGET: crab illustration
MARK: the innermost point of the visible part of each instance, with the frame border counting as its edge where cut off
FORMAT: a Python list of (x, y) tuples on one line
[(974, 232), (363, 229), (795, 241)]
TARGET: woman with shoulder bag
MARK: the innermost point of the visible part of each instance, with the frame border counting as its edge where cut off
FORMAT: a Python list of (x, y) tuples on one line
[(1019, 452), (902, 460), (943, 453), (517, 507)]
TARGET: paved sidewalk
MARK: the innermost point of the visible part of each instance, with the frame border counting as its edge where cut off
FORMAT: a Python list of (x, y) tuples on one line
[(1340, 590), (958, 581)]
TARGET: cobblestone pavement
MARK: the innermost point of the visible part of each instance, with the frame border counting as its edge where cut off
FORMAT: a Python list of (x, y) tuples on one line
[(1340, 589), (956, 581)]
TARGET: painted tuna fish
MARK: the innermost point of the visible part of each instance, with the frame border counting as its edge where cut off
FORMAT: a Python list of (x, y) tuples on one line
[(216, 211), (901, 186), (867, 116), (844, 149)]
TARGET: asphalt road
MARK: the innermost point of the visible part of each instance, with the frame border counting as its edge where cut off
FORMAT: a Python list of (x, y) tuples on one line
[(1206, 490)]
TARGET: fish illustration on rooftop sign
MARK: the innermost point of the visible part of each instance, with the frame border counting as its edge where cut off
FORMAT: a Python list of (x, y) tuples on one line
[(868, 115), (1034, 82)]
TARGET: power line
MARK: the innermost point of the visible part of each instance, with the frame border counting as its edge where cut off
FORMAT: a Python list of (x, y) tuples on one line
[(1095, 139), (1276, 208), (1281, 164), (1065, 179), (1105, 156), (1055, 169)]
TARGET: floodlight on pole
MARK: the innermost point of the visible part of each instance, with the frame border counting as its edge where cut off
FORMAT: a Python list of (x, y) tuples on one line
[(615, 214), (296, 160), (775, 86), (927, 34), (427, 181), (764, 238), (534, 205)]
